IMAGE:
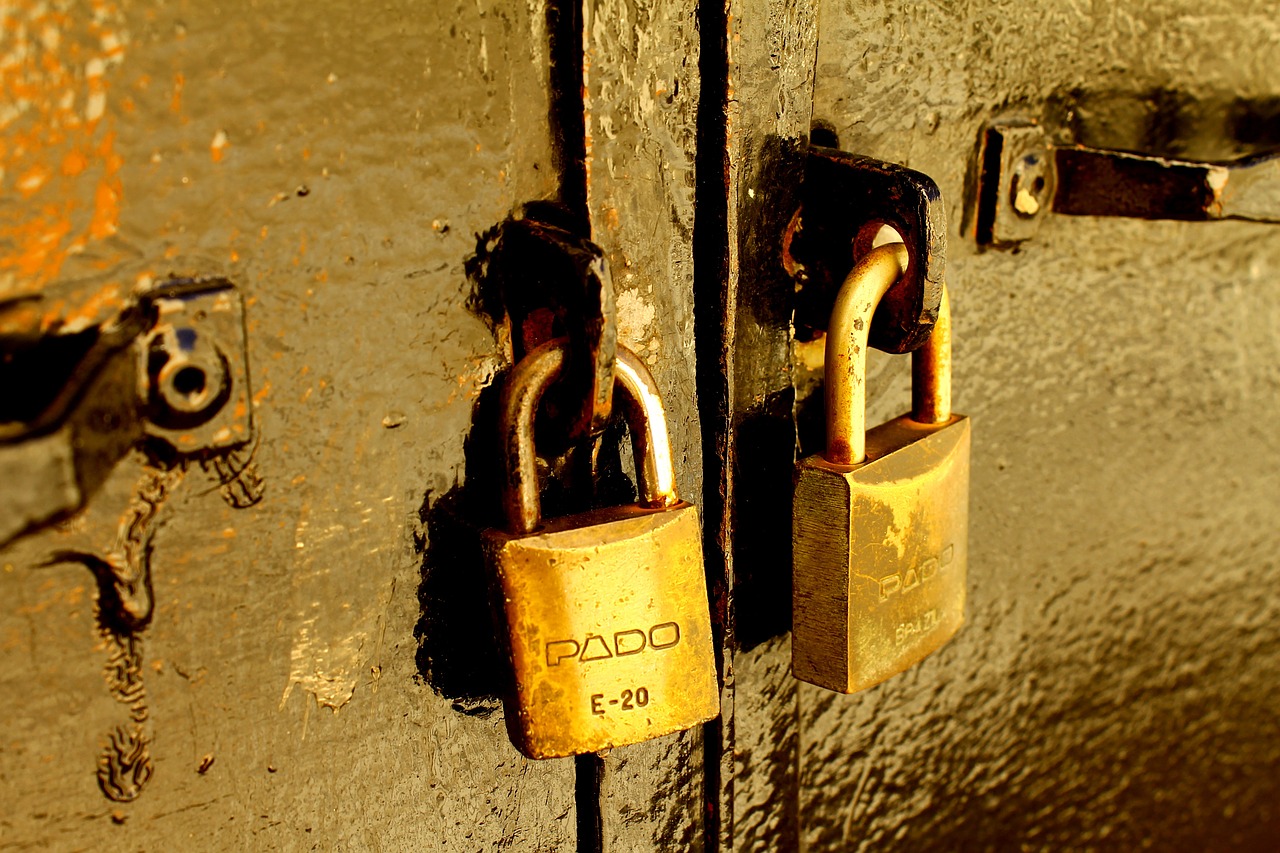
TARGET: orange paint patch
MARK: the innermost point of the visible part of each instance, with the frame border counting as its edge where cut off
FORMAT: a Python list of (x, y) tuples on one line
[(74, 163), (218, 146), (175, 101), (57, 151)]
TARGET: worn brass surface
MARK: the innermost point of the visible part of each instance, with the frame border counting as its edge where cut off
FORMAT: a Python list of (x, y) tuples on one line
[(879, 521), (880, 552), (931, 371), (606, 615), (609, 629)]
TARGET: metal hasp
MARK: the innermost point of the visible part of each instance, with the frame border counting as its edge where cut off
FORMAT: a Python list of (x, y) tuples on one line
[(164, 372), (845, 201), (551, 283), (1025, 175), (168, 372)]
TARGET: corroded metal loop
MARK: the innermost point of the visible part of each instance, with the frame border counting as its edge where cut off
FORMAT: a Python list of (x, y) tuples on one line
[(655, 470), (846, 356)]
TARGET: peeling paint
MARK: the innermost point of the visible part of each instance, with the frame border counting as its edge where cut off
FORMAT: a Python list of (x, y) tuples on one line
[(218, 146), (330, 650), (635, 316), (325, 670)]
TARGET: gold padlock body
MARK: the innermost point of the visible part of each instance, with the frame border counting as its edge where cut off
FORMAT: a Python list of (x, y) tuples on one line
[(875, 595), (608, 626)]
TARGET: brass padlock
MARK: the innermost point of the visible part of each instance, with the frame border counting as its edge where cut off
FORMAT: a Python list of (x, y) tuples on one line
[(880, 519), (606, 615)]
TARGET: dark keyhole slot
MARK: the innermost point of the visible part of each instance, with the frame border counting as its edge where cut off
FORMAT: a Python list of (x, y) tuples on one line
[(189, 381), (1038, 186)]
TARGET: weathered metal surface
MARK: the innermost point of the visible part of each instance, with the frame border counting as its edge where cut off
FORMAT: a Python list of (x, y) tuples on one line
[(880, 517), (544, 281), (168, 375), (1114, 683), (340, 163), (605, 612), (640, 89), (337, 166)]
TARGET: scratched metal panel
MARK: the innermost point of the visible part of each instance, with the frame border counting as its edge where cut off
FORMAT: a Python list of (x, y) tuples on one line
[(1116, 684), (335, 163), (641, 93)]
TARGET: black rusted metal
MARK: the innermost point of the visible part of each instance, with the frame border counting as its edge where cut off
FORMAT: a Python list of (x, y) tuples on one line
[(845, 201), (549, 282)]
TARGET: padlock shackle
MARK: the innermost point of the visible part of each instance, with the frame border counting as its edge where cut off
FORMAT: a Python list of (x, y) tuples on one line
[(931, 370), (845, 367), (650, 441)]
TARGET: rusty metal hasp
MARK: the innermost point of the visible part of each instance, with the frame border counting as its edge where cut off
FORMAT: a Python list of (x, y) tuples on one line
[(550, 283), (1026, 175)]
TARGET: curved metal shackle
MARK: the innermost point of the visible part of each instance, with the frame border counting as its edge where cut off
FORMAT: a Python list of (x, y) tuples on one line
[(846, 357), (650, 441)]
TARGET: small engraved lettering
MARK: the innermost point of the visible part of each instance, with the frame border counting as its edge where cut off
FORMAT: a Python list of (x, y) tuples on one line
[(558, 650), (630, 642), (666, 630), (628, 700), (922, 624), (912, 578), (598, 652)]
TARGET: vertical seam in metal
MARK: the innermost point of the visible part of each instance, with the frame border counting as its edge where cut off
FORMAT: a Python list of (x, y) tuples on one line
[(711, 301), (568, 106), (565, 34)]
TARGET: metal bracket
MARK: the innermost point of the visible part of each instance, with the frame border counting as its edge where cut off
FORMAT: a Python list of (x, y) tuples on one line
[(1025, 176), (169, 373), (845, 201)]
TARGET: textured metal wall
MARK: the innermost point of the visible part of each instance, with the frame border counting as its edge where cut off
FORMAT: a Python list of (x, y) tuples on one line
[(1116, 684)]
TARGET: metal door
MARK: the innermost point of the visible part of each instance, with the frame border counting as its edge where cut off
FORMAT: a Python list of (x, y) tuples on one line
[(318, 670)]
